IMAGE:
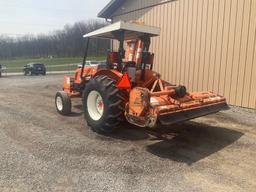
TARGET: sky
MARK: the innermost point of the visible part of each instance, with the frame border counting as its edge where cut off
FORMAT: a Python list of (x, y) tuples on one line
[(19, 17)]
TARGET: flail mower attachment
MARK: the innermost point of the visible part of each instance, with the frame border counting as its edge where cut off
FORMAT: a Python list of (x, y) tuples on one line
[(172, 104)]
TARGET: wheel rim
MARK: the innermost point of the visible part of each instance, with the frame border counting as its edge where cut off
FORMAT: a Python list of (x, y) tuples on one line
[(95, 105), (59, 103)]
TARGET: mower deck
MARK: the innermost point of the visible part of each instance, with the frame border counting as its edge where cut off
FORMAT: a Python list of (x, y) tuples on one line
[(184, 115)]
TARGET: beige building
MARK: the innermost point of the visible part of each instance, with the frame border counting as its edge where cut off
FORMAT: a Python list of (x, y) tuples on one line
[(204, 44)]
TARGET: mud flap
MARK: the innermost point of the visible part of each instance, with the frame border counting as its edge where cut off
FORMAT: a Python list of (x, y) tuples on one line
[(185, 115)]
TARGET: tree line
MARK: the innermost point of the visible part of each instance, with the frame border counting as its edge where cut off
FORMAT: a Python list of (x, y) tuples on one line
[(68, 42)]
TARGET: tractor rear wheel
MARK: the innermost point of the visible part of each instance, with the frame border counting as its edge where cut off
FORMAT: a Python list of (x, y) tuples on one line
[(103, 104)]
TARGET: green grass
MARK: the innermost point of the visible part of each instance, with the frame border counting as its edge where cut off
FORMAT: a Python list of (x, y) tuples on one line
[(16, 65)]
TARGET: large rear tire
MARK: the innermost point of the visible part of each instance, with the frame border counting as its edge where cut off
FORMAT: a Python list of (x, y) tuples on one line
[(103, 104), (63, 103)]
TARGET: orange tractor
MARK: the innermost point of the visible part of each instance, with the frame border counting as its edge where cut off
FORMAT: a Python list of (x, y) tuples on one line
[(126, 87)]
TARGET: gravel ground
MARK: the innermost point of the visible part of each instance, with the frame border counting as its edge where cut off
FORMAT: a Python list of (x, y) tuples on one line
[(43, 151)]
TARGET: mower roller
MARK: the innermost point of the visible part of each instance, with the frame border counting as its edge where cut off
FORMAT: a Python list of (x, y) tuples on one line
[(126, 87)]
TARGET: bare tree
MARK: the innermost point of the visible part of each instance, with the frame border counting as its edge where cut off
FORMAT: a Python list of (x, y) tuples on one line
[(62, 43)]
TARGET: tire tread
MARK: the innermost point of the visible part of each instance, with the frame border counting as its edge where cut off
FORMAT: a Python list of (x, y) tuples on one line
[(114, 111)]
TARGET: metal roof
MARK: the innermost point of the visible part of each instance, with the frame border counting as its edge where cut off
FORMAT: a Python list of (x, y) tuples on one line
[(132, 31), (107, 11)]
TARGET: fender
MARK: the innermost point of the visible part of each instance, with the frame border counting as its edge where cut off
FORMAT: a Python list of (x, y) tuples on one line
[(113, 74), (122, 80)]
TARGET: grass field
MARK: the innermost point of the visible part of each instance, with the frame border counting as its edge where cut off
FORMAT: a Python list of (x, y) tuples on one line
[(54, 64)]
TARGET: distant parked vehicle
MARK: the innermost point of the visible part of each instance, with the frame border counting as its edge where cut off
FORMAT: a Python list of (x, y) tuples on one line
[(34, 69), (91, 64), (2, 70)]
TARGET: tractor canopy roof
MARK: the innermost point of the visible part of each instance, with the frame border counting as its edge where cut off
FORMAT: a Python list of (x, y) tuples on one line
[(131, 31)]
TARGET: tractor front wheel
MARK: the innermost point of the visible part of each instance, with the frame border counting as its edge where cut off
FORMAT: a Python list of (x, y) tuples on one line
[(63, 103), (103, 104)]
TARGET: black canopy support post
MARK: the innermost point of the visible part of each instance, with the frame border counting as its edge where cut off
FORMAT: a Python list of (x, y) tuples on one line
[(121, 52), (121, 45), (146, 42), (85, 56), (143, 65), (119, 35)]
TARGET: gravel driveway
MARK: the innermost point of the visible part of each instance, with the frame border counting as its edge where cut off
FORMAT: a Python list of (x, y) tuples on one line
[(43, 151)]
